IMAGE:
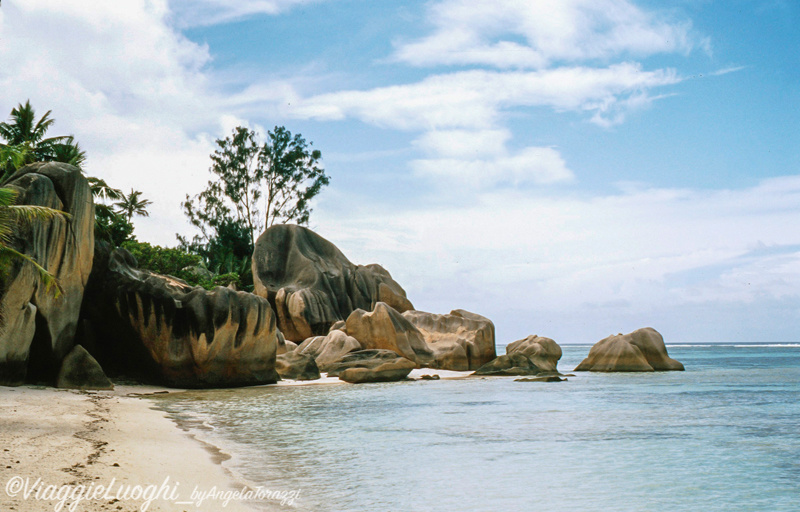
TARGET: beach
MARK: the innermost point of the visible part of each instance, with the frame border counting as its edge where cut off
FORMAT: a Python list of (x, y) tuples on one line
[(114, 445)]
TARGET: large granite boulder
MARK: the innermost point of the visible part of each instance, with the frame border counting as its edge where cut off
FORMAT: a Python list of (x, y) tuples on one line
[(385, 328), (79, 370), (296, 366), (543, 352), (511, 364), (642, 350), (311, 284), (327, 350), (175, 334), (371, 366), (38, 327), (460, 341)]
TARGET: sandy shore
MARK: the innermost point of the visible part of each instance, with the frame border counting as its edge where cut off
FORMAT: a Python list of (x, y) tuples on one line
[(102, 445), (118, 452)]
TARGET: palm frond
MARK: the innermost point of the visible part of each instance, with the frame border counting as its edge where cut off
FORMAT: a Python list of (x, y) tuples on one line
[(32, 212), (7, 196), (102, 190), (48, 280)]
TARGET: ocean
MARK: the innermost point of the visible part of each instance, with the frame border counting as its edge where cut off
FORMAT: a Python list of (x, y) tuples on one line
[(723, 435)]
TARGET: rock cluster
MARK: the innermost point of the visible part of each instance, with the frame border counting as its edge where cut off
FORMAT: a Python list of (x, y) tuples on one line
[(312, 310)]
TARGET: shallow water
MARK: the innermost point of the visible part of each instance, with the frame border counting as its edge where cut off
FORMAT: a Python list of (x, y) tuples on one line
[(721, 436)]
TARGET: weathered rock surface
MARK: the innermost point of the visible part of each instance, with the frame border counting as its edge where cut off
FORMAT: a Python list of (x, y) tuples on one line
[(79, 370), (642, 350), (371, 366), (385, 328), (361, 359), (39, 328), (176, 334), (296, 366), (460, 341), (543, 352), (327, 350), (511, 364), (311, 284)]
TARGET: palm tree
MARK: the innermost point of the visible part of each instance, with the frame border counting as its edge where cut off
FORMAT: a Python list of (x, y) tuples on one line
[(68, 152), (10, 216), (24, 130), (26, 142), (131, 205)]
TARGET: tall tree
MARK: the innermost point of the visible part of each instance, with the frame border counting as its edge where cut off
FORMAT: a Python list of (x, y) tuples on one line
[(256, 185), (133, 204)]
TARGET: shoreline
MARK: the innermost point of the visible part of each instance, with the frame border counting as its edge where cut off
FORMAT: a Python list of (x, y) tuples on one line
[(108, 446), (114, 448)]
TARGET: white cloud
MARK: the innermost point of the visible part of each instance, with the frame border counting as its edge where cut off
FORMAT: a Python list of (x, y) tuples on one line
[(537, 33), (476, 99), (189, 13), (471, 159), (642, 253), (464, 143), (133, 92)]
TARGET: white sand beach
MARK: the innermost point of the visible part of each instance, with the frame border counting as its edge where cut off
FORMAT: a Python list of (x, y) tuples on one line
[(110, 443)]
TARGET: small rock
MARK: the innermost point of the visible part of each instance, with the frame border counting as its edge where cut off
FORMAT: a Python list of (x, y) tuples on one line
[(552, 378), (79, 370)]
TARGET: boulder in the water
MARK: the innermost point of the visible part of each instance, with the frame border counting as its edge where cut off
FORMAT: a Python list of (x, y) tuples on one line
[(460, 341), (642, 350), (509, 365), (543, 352)]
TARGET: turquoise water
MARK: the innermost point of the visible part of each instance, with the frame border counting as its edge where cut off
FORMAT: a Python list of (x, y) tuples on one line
[(721, 436)]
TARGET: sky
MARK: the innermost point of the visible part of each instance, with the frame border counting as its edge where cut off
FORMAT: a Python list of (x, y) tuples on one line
[(570, 169)]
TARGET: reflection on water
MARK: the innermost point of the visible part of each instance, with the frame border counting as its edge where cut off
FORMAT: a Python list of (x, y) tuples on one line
[(720, 436)]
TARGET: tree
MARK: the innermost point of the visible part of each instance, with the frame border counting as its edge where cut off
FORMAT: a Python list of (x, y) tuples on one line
[(256, 185), (24, 130), (26, 141), (292, 177), (131, 205), (10, 216)]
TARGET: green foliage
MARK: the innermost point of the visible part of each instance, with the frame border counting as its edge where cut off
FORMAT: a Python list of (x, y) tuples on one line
[(111, 226), (160, 259), (283, 174), (184, 265)]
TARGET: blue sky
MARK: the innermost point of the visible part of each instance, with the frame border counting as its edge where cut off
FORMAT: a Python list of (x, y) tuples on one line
[(570, 169)]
